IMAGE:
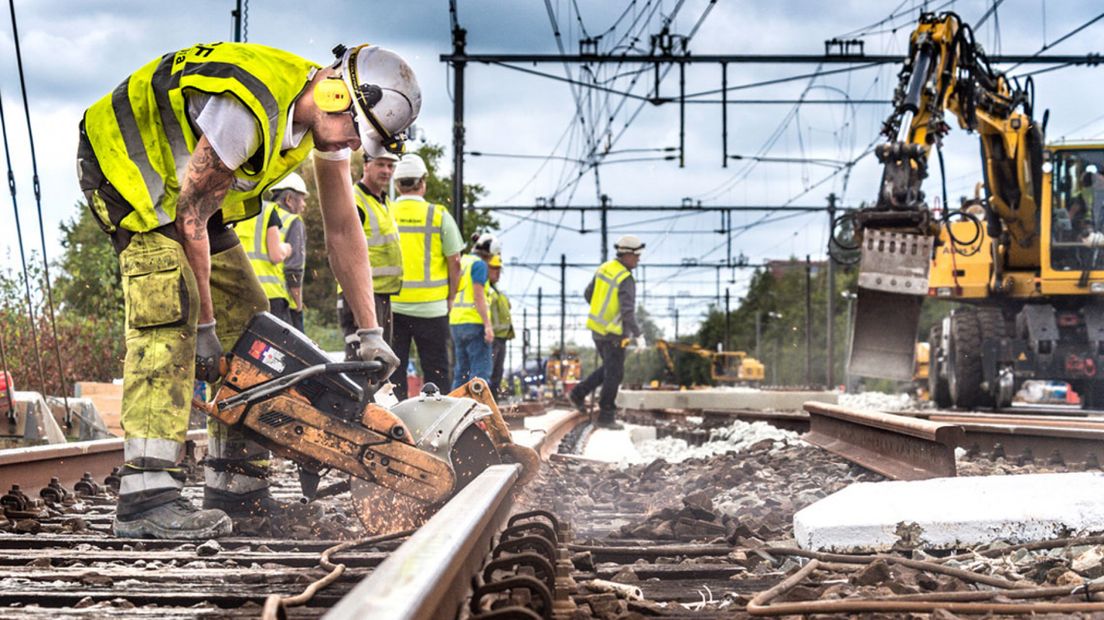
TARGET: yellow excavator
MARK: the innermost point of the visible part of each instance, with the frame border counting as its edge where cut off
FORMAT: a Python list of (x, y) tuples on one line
[(724, 366), (1026, 258)]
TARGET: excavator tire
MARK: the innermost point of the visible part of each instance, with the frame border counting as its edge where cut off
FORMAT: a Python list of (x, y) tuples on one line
[(937, 381), (964, 373), (993, 327)]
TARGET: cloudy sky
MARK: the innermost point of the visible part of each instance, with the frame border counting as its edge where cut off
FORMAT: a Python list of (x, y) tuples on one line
[(76, 51)]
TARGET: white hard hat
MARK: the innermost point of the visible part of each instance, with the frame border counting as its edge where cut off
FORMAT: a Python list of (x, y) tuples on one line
[(386, 96), (384, 155), (629, 244), (293, 182), (488, 244), (410, 167)]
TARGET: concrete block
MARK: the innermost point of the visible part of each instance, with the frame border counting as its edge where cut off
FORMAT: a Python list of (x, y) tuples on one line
[(721, 399), (944, 513)]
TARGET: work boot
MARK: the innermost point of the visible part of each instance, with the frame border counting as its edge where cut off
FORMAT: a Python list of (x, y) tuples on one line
[(578, 400), (255, 513), (609, 424), (176, 519)]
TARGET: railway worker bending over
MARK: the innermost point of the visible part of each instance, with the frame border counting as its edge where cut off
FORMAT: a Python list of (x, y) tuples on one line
[(178, 152)]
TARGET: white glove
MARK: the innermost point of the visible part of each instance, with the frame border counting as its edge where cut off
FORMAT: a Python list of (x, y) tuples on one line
[(208, 353), (1095, 240), (372, 347), (640, 343)]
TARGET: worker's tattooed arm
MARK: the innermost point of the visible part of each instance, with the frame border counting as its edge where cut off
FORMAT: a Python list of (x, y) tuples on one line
[(206, 181)]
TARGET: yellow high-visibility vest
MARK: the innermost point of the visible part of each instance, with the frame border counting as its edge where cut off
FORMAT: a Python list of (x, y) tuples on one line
[(287, 218), (384, 246), (605, 306), (463, 305), (254, 238), (501, 321), (143, 138), (424, 268)]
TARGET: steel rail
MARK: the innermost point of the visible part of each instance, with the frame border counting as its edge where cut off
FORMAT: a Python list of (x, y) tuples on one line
[(896, 446), (429, 575), (33, 467), (1065, 440)]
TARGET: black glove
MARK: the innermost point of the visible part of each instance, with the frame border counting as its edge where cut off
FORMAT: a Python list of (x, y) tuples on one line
[(373, 347), (208, 353)]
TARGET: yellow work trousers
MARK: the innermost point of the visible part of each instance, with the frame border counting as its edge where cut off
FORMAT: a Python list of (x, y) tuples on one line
[(162, 307)]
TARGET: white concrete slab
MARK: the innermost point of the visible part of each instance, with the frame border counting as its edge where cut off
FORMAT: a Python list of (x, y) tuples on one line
[(943, 513), (720, 399), (617, 446)]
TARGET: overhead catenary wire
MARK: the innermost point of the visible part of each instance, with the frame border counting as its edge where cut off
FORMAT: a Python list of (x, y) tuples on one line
[(22, 252), (36, 186)]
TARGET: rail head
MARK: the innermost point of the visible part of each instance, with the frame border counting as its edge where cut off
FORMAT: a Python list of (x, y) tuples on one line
[(429, 575), (944, 433)]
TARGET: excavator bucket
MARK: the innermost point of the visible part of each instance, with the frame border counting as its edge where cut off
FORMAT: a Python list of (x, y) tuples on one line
[(893, 280)]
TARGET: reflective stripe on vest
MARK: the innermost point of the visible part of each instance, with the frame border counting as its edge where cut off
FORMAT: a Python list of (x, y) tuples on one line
[(605, 306), (254, 237), (287, 218), (501, 321), (384, 246), (463, 305), (143, 137), (425, 269)]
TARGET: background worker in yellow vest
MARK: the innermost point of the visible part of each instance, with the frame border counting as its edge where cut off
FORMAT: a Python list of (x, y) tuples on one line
[(185, 146), (260, 236), (384, 247), (470, 317), (290, 196), (431, 246), (612, 321), (501, 322)]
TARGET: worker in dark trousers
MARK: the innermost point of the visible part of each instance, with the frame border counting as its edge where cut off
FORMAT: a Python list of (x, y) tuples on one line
[(612, 321)]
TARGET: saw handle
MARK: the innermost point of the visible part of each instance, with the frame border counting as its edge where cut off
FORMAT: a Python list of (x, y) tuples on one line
[(263, 391)]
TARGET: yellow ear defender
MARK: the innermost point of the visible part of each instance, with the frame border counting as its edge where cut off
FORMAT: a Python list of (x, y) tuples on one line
[(331, 95)]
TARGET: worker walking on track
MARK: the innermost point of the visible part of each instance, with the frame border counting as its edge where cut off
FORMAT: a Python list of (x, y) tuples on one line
[(260, 236), (384, 247), (470, 317), (182, 148), (431, 246), (612, 321), (290, 196), (501, 322)]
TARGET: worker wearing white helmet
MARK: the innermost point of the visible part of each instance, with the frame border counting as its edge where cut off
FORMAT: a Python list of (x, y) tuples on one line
[(290, 196), (470, 317), (431, 247), (612, 322), (187, 145)]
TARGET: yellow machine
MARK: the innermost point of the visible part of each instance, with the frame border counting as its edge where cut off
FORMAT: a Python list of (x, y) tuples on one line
[(724, 366), (572, 369), (1027, 257)]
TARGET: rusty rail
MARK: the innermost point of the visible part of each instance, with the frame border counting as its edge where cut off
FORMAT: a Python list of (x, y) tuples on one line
[(33, 467), (1026, 438), (895, 446)]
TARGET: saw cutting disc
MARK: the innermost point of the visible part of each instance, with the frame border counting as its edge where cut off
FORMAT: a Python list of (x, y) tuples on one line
[(383, 511)]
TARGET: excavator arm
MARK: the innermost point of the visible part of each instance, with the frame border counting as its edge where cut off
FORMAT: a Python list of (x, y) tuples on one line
[(946, 72)]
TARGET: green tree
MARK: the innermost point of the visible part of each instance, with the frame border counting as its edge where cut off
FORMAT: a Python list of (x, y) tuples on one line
[(88, 281)]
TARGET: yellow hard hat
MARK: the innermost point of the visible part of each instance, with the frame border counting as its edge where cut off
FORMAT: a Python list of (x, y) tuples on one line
[(496, 261)]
